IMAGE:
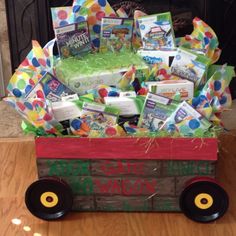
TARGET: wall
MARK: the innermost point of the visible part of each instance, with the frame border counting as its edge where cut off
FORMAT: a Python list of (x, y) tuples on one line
[(4, 44)]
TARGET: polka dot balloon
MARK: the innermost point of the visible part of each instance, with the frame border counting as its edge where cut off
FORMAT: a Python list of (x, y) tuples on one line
[(202, 38), (31, 70), (215, 96), (61, 16), (36, 112)]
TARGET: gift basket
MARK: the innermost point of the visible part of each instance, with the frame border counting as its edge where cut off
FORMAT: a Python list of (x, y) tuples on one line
[(126, 117)]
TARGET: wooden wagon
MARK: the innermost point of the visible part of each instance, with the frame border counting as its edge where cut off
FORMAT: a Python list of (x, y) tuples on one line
[(126, 174)]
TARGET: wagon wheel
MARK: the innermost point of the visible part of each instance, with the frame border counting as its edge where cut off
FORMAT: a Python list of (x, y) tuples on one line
[(49, 198), (203, 200)]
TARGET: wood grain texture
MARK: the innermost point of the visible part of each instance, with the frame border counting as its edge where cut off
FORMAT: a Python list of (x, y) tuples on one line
[(18, 171)]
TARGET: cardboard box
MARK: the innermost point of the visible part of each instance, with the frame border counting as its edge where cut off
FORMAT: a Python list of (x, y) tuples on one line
[(126, 105), (80, 83), (168, 88), (157, 56)]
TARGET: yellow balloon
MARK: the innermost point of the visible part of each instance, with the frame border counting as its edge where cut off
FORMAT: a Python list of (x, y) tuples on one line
[(14, 79), (33, 115)]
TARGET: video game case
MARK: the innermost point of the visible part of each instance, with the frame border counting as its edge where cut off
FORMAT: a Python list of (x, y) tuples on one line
[(73, 40), (190, 66), (51, 88), (116, 34), (186, 120), (157, 31), (156, 111)]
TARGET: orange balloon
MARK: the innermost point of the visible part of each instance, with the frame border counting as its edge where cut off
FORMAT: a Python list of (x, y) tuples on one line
[(95, 7), (85, 127), (92, 20)]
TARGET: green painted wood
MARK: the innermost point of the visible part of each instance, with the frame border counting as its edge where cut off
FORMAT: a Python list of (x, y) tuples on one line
[(125, 185), (186, 168), (58, 167)]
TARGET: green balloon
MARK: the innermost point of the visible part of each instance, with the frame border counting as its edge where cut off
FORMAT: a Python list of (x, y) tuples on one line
[(21, 84)]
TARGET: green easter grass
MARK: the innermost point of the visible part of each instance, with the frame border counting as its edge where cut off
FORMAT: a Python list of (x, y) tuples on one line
[(96, 63)]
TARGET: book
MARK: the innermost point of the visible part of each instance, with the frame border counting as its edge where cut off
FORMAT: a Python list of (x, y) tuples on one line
[(73, 40), (155, 111), (157, 31), (116, 34)]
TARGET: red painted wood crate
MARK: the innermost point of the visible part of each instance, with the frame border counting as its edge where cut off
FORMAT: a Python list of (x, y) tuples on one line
[(126, 174)]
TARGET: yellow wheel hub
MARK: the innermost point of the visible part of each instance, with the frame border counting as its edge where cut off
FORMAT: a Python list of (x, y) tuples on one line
[(203, 201), (49, 199)]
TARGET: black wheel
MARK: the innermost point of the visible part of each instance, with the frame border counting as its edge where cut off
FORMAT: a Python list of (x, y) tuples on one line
[(204, 200), (49, 198)]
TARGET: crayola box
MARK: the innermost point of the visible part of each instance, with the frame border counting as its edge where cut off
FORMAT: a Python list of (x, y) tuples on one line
[(96, 69)]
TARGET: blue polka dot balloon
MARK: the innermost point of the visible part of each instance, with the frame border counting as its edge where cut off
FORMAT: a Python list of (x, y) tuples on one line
[(194, 124), (76, 124), (102, 3)]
